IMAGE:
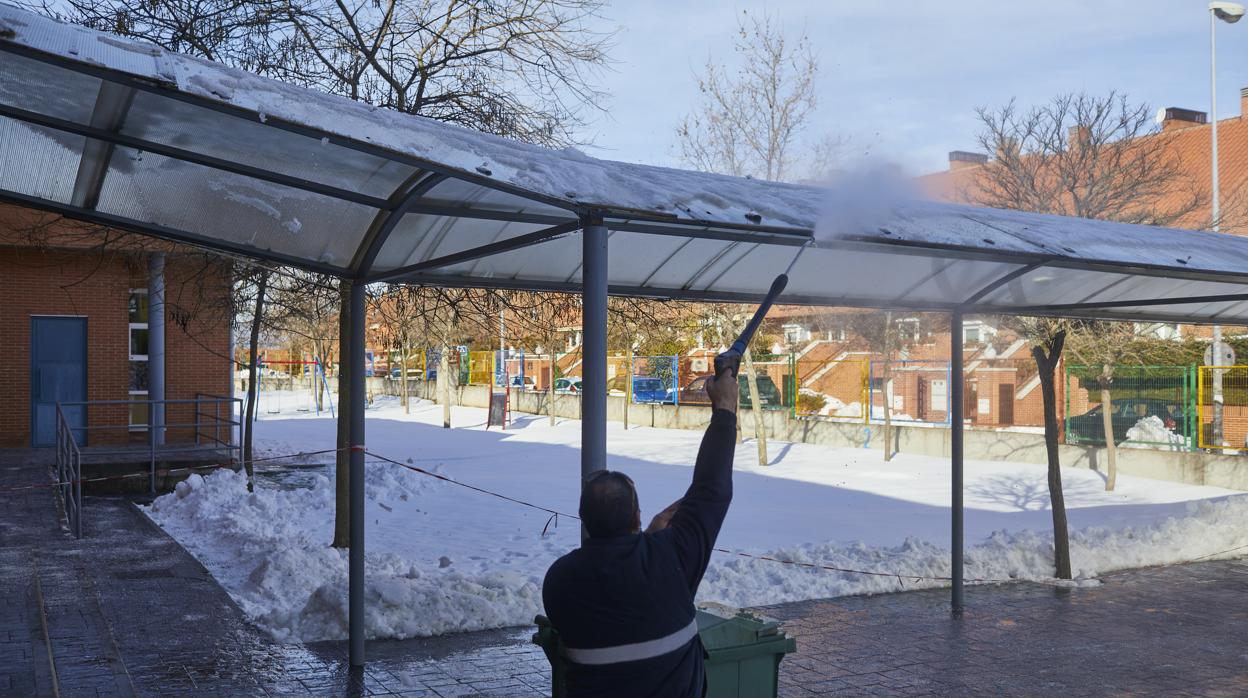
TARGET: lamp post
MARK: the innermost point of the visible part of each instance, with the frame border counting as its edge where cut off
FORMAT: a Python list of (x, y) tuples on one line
[(1230, 13)]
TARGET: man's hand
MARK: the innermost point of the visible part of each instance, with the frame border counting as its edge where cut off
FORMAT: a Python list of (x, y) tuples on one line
[(663, 518), (723, 392)]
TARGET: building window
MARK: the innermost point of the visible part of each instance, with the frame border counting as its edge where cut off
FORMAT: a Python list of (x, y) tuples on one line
[(976, 332), (138, 358), (794, 333), (908, 329)]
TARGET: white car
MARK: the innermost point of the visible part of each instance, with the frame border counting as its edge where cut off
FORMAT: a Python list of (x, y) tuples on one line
[(568, 386)]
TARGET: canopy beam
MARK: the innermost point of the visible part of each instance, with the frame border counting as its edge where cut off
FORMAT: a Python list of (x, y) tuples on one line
[(111, 106), (355, 519), (114, 139), (399, 203), (593, 347), (956, 409), (512, 243)]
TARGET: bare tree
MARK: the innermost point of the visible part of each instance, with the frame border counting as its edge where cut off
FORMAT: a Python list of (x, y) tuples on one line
[(753, 122), (1106, 346), (1090, 156), (1048, 337)]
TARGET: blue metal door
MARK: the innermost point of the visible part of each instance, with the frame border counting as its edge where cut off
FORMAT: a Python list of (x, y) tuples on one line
[(58, 373)]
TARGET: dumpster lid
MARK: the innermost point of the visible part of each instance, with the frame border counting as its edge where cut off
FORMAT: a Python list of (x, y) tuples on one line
[(721, 627)]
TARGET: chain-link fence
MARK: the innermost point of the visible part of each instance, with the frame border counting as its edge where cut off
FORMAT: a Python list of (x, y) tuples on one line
[(531, 371), (655, 379), (1230, 383), (916, 391), (481, 368), (1149, 406)]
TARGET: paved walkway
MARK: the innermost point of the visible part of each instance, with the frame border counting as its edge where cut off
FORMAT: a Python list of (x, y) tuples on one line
[(126, 611)]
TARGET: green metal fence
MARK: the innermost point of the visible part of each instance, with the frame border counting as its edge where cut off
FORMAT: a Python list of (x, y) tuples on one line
[(1150, 406)]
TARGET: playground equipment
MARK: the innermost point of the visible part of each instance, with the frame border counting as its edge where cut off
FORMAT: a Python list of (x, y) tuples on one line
[(293, 385)]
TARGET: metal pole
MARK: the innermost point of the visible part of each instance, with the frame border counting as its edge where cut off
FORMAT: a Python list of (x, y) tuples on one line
[(594, 347), (355, 560), (156, 344), (1215, 212), (955, 453)]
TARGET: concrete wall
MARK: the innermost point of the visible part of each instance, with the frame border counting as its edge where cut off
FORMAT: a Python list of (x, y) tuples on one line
[(981, 444)]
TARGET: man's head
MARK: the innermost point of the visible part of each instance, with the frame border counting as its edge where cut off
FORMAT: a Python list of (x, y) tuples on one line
[(609, 505)]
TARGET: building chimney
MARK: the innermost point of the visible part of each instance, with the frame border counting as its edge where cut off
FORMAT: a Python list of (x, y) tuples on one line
[(1176, 118), (962, 159), (1243, 102), (1078, 134)]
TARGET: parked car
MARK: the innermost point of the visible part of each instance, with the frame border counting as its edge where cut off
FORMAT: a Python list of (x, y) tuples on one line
[(695, 392), (1090, 426), (568, 386), (645, 388), (412, 373)]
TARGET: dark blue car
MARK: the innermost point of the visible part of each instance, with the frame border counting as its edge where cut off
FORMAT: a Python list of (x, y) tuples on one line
[(645, 389)]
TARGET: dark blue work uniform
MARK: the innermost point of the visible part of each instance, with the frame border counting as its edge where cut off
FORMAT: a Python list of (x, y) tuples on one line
[(624, 606)]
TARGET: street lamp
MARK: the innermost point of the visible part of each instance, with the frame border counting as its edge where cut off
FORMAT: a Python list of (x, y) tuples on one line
[(1229, 12)]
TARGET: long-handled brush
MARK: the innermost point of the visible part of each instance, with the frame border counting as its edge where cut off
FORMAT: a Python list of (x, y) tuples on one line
[(730, 360)]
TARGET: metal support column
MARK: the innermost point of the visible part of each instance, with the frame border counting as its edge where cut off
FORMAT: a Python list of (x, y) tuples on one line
[(156, 345), (956, 385), (594, 347), (355, 560)]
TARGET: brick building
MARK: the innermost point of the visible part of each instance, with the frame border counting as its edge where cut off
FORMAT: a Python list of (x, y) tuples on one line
[(75, 326)]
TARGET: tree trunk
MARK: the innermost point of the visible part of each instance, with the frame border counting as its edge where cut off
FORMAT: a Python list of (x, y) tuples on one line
[(756, 408), (887, 385), (342, 459), (444, 382), (628, 385), (404, 397), (317, 389), (254, 345), (1047, 365), (550, 388), (1107, 421)]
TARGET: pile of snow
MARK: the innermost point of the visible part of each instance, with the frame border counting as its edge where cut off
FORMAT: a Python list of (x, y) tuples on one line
[(441, 558), (1151, 432), (833, 406), (285, 577)]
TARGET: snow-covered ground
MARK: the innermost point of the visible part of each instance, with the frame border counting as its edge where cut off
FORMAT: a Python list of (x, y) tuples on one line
[(441, 558)]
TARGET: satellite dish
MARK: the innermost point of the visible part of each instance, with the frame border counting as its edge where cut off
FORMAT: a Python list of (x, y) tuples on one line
[(1160, 117)]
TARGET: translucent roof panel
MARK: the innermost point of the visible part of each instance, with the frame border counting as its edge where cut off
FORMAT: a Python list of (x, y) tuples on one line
[(247, 212), (47, 89), (48, 164), (170, 122), (123, 133)]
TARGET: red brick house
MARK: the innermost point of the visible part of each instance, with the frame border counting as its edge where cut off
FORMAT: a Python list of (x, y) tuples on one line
[(75, 326)]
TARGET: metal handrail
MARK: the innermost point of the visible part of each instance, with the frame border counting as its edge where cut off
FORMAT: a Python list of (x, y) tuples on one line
[(156, 433), (69, 473)]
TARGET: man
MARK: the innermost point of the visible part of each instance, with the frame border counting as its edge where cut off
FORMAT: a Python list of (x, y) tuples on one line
[(623, 601)]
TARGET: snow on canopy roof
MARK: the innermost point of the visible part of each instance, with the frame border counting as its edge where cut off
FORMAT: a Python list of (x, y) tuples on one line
[(124, 133)]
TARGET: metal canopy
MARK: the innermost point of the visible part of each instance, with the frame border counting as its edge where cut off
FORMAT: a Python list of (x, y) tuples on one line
[(123, 133)]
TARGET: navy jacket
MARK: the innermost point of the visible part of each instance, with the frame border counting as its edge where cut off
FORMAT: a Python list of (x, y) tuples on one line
[(640, 587)]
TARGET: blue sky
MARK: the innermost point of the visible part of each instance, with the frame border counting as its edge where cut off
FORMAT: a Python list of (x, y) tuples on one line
[(901, 79)]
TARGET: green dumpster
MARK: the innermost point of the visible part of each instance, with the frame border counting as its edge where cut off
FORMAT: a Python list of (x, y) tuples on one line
[(743, 654)]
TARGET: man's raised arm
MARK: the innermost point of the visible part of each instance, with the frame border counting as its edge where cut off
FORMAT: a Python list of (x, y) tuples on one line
[(700, 513)]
